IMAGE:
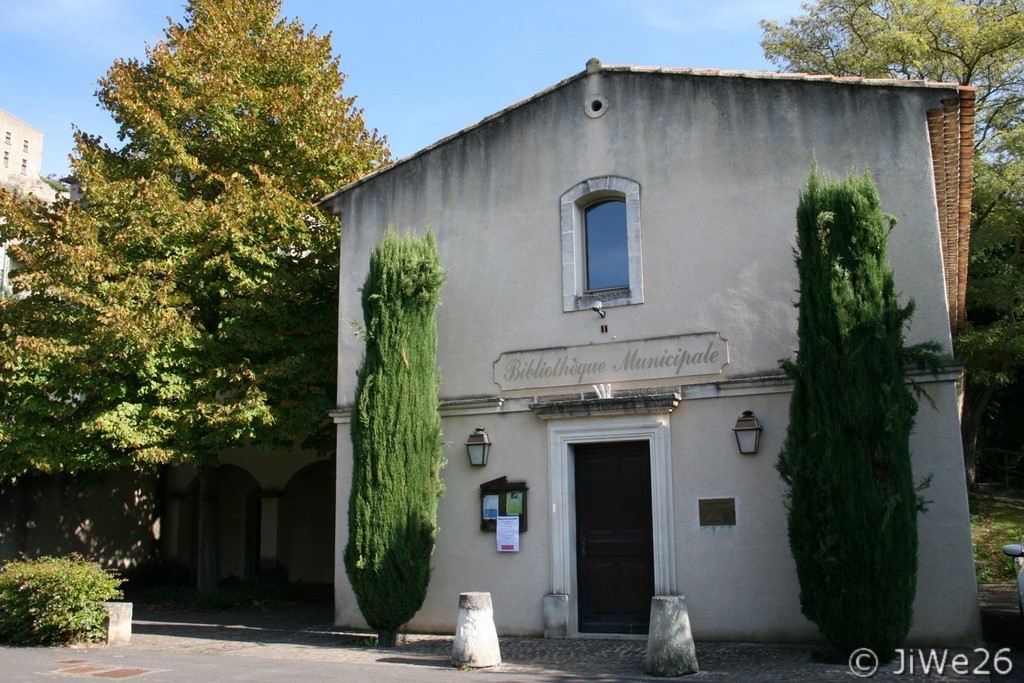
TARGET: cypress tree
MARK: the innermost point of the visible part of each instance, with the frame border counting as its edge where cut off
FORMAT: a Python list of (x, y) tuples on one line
[(851, 501), (396, 435)]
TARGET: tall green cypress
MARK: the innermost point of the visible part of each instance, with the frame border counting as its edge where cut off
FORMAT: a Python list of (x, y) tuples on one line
[(851, 501), (396, 435)]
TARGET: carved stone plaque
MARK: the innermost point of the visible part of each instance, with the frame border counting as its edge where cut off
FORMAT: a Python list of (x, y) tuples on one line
[(642, 359)]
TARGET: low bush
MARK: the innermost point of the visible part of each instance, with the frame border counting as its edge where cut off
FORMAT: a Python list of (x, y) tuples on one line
[(54, 600)]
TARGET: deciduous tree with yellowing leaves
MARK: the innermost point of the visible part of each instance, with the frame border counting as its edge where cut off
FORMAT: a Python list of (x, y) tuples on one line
[(185, 304)]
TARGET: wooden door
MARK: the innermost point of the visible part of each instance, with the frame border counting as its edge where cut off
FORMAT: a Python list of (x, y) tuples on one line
[(614, 538)]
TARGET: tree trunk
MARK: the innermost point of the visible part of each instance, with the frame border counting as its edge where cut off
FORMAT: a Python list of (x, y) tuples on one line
[(970, 445), (157, 551), (970, 426), (208, 556), (386, 638)]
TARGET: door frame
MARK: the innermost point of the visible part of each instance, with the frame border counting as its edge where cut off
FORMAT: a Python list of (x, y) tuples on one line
[(562, 435)]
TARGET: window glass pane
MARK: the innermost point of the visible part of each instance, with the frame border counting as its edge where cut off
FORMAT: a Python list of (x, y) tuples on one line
[(607, 252)]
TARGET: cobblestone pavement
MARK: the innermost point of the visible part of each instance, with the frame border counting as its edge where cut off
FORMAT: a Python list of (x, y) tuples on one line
[(301, 636)]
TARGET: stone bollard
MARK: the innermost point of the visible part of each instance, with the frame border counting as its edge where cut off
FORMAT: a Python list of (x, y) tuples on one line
[(476, 641), (118, 622), (670, 649), (556, 615)]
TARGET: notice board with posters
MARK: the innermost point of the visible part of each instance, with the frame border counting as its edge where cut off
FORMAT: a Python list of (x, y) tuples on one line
[(502, 498)]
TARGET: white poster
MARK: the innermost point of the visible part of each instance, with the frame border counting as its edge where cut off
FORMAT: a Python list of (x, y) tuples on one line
[(490, 507), (508, 534)]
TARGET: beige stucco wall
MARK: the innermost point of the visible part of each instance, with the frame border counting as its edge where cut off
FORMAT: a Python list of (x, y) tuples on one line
[(720, 162), (465, 558)]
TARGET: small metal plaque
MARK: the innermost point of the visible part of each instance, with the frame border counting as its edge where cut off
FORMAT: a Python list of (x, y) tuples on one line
[(717, 511)]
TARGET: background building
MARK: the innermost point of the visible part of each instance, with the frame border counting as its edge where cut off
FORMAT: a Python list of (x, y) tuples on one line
[(21, 158)]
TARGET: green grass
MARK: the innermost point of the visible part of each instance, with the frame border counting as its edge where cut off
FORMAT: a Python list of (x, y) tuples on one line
[(995, 523)]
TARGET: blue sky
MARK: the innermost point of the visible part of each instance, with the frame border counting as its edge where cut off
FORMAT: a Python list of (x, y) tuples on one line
[(420, 70)]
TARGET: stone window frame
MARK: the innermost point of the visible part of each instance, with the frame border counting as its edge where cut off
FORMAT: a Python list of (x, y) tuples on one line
[(573, 203)]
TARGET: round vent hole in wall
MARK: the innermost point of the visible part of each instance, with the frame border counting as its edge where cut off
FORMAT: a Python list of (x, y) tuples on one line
[(596, 106)]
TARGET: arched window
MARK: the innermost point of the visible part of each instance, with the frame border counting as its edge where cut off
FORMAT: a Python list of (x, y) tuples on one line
[(601, 260), (607, 249)]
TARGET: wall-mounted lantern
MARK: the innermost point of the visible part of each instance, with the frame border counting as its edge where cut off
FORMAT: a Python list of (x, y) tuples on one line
[(478, 445), (748, 433)]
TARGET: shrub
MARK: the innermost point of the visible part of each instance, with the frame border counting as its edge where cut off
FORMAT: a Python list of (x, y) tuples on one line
[(52, 600)]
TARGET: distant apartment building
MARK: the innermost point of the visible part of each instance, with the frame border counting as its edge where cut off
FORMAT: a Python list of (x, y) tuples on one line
[(21, 161), (21, 150)]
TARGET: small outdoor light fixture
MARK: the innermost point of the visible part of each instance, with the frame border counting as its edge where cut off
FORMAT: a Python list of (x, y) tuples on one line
[(478, 445), (748, 433)]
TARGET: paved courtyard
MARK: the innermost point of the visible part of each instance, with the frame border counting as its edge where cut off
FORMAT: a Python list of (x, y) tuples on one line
[(300, 644)]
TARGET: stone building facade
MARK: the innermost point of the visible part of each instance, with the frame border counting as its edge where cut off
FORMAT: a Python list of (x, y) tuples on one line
[(620, 290)]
